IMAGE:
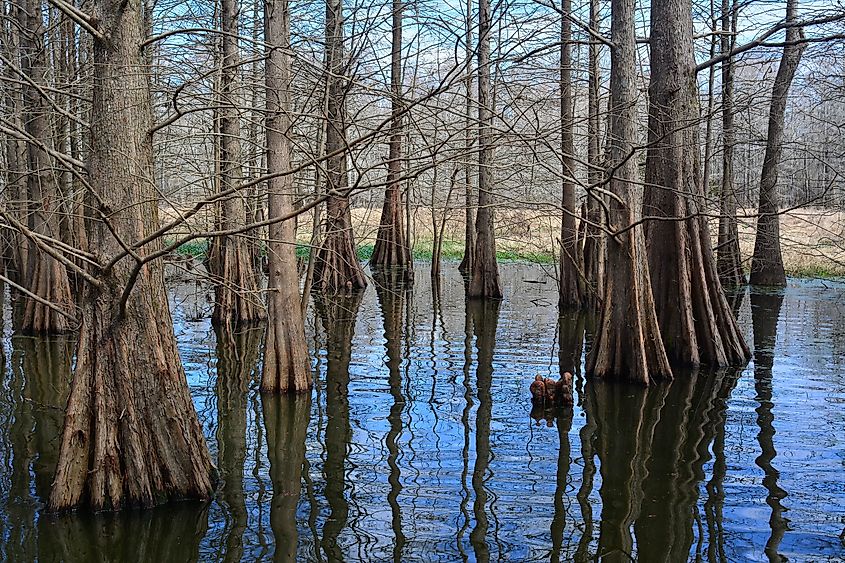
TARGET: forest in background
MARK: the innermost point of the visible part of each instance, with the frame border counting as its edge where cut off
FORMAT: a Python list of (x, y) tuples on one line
[(654, 158)]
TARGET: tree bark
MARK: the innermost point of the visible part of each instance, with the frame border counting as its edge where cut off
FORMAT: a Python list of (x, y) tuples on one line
[(43, 275), (570, 290), (337, 267), (131, 435), (287, 366), (391, 249), (628, 345), (729, 258), (696, 322), (468, 261), (236, 299), (485, 273), (594, 241), (767, 261)]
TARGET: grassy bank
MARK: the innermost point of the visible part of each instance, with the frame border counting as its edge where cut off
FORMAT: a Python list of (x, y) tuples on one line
[(812, 240)]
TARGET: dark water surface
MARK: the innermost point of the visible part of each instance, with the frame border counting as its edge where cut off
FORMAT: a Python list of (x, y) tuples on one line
[(418, 442)]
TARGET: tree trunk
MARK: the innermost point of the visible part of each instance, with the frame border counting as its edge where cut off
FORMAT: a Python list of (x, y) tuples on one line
[(236, 299), (729, 258), (628, 345), (594, 242), (391, 248), (468, 261), (287, 367), (767, 261), (570, 290), (485, 273), (337, 267), (696, 322), (43, 275), (131, 434)]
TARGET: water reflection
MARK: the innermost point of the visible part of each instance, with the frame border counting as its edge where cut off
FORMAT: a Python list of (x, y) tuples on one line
[(765, 311), (391, 290), (653, 445), (237, 359), (484, 317), (415, 445), (286, 423), (338, 316)]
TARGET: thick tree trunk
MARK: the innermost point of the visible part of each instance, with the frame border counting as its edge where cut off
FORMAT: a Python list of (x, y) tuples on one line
[(570, 286), (236, 298), (594, 241), (131, 434), (468, 261), (286, 422), (485, 272), (627, 345), (696, 322), (391, 248), (43, 275), (337, 267), (287, 367), (729, 258), (767, 261)]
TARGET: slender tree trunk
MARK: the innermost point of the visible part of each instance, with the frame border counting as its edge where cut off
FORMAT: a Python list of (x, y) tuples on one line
[(231, 264), (570, 290), (14, 176), (337, 267), (131, 434), (594, 242), (287, 367), (628, 345), (391, 248), (468, 261), (485, 273), (729, 258), (695, 319), (236, 299), (44, 276), (767, 261)]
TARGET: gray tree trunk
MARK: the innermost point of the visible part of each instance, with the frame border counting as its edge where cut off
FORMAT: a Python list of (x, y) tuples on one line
[(767, 260)]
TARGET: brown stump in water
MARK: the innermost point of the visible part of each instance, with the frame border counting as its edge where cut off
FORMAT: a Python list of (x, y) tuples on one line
[(131, 435)]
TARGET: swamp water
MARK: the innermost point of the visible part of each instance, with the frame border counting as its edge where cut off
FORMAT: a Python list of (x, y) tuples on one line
[(420, 444)]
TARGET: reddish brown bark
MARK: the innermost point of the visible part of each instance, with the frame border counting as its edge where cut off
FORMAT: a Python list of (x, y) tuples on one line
[(696, 321), (231, 264), (391, 249), (131, 435), (287, 366), (337, 267), (43, 275), (570, 286), (627, 345)]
